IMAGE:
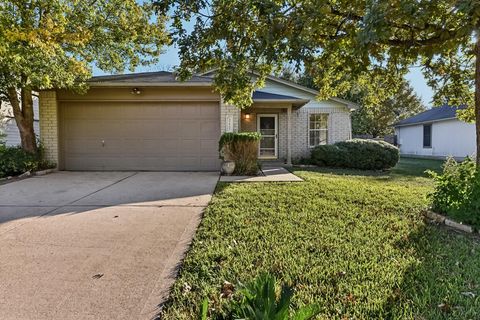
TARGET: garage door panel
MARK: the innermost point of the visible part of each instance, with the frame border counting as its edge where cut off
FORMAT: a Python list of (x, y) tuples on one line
[(208, 128), (168, 128), (209, 114), (141, 128), (189, 129), (190, 111), (209, 147), (82, 146), (146, 136), (189, 148), (208, 163)]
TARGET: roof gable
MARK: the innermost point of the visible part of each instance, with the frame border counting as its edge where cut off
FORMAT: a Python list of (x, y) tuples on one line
[(311, 92), (431, 115)]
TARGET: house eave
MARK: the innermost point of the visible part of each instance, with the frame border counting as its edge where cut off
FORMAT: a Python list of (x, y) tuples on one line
[(423, 122), (149, 84), (349, 104), (294, 102)]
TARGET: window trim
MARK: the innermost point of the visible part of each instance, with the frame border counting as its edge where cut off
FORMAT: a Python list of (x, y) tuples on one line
[(319, 130), (429, 146)]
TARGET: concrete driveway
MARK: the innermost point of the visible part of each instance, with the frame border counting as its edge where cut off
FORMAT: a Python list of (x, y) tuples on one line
[(95, 245)]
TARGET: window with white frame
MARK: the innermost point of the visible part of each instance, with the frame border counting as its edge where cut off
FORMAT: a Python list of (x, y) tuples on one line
[(318, 129)]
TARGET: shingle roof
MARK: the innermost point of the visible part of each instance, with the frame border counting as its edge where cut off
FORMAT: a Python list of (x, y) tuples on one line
[(147, 77), (262, 95), (433, 114)]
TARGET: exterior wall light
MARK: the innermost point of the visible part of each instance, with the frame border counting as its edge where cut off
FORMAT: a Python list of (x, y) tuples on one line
[(136, 91), (247, 116)]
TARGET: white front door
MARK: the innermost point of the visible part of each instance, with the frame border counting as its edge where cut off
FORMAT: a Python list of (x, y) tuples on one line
[(267, 126)]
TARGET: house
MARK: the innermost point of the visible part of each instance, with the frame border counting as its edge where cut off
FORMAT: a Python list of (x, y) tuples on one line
[(436, 133), (9, 128), (152, 121)]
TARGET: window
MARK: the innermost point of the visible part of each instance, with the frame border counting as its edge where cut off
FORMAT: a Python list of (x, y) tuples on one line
[(318, 129), (427, 136)]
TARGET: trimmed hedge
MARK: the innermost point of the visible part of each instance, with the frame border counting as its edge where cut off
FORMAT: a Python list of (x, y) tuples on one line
[(361, 154), (243, 149), (233, 137)]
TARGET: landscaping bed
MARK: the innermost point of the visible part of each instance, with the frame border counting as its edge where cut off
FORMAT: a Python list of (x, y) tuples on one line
[(17, 163), (353, 242)]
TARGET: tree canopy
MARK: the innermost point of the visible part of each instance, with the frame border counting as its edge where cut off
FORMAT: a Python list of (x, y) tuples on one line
[(377, 120), (55, 43), (371, 119), (337, 42)]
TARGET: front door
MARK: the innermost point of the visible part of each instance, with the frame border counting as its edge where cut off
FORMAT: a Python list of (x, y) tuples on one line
[(267, 125)]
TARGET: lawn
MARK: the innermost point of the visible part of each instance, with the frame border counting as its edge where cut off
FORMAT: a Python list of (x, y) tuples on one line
[(353, 242)]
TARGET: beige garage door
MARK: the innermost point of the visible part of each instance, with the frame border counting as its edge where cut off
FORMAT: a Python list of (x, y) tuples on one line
[(165, 136)]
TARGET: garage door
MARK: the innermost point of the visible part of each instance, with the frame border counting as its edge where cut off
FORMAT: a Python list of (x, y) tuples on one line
[(166, 136)]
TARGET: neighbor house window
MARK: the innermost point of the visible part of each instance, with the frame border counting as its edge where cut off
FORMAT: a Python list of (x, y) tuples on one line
[(427, 136), (318, 129)]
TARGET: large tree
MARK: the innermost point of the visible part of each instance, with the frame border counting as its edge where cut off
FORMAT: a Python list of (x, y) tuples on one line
[(54, 44), (377, 120), (368, 119), (336, 42)]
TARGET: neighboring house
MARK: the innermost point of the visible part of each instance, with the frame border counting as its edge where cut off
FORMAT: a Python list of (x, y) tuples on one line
[(9, 127), (151, 121), (436, 133)]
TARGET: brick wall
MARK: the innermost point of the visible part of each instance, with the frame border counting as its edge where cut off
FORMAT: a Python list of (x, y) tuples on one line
[(339, 128), (227, 110), (48, 109)]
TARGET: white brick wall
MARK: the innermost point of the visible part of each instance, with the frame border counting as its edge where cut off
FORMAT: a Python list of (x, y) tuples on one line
[(49, 124), (339, 128), (229, 110)]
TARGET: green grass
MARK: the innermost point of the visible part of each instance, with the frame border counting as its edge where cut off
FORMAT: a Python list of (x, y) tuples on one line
[(353, 242)]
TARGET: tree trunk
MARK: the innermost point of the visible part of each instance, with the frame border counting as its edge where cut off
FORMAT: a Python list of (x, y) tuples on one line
[(23, 114)]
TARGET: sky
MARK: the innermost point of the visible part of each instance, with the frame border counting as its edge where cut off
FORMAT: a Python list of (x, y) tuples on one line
[(170, 59)]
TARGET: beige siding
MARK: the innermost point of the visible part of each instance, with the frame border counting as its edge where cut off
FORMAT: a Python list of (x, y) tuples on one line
[(147, 94)]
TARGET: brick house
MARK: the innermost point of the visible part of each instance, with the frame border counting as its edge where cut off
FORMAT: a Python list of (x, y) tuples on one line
[(151, 121)]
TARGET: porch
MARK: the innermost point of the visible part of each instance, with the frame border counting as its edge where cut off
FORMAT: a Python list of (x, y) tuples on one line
[(271, 116)]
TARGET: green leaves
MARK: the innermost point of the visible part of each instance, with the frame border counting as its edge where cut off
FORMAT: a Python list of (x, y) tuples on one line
[(259, 301), (338, 43), (52, 43)]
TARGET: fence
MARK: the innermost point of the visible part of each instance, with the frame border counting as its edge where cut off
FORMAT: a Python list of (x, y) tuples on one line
[(390, 138)]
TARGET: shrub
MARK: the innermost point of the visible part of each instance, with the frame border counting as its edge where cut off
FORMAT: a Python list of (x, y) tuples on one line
[(243, 149), (457, 191), (357, 154), (14, 161)]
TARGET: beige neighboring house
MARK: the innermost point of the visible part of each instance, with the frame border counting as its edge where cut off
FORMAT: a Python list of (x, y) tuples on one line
[(8, 126), (152, 121)]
